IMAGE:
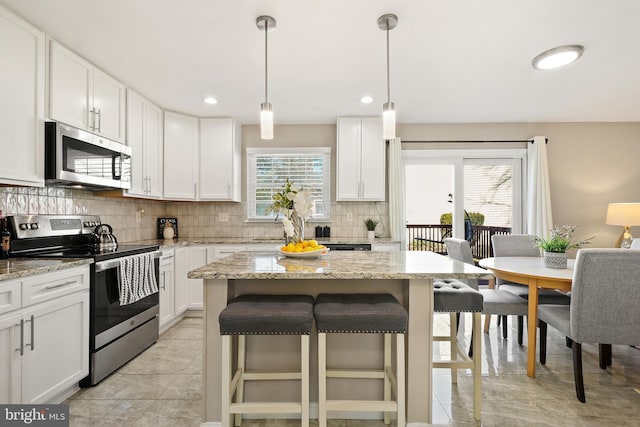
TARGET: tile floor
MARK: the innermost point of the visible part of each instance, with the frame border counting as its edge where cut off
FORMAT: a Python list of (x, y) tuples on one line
[(162, 387)]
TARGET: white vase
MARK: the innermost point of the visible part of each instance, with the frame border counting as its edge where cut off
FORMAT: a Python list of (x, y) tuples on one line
[(168, 233), (371, 234), (555, 259)]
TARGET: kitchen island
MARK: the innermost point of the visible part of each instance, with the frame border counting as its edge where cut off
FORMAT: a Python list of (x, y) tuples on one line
[(406, 275)]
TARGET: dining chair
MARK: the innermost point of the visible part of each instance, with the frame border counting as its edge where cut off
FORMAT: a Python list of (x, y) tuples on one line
[(495, 300), (515, 245), (603, 309)]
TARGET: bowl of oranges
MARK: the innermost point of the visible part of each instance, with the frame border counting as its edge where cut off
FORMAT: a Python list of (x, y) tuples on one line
[(304, 249)]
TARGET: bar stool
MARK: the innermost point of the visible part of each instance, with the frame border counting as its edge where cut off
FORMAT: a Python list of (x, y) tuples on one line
[(362, 314), (263, 315), (454, 297)]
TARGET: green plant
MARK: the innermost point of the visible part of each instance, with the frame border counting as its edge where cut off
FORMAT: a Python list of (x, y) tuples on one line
[(476, 218), (560, 239), (371, 224)]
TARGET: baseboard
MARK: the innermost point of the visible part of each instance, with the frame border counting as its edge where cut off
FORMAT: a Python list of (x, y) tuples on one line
[(211, 424)]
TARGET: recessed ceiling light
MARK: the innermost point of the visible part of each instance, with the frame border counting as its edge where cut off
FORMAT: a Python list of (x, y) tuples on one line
[(366, 99), (557, 57), (210, 100)]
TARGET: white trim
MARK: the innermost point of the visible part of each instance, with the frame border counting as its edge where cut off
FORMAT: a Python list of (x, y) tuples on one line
[(470, 153), (288, 150)]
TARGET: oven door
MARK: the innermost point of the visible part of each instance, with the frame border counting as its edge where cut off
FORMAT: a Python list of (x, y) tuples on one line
[(110, 320)]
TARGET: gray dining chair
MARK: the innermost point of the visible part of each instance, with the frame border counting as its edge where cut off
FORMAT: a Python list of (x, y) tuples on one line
[(603, 309), (495, 300), (515, 245)]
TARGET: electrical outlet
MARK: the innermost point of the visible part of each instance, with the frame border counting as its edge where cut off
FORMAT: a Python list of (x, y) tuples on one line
[(139, 214), (223, 217), (349, 217)]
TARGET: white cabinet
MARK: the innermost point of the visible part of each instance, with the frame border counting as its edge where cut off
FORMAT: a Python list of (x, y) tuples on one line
[(220, 159), (144, 136), (45, 342), (166, 288), (191, 290), (22, 67), (386, 247), (81, 95), (361, 170), (180, 156)]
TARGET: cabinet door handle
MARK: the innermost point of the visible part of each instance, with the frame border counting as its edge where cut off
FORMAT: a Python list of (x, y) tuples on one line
[(148, 184), (98, 113), (229, 189), (92, 123), (21, 338), (195, 190), (164, 281), (70, 282), (32, 332)]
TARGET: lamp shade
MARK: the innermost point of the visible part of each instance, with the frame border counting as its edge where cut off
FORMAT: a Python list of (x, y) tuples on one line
[(624, 214)]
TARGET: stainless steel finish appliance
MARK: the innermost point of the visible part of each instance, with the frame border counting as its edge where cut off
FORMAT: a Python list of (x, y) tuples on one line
[(348, 246), (116, 333), (77, 158)]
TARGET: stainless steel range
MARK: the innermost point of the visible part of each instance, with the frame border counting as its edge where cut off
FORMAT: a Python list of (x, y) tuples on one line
[(117, 332)]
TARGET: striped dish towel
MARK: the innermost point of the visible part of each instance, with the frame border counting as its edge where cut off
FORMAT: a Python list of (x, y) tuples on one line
[(137, 278)]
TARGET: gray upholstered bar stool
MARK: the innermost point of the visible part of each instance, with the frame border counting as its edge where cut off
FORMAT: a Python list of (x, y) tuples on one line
[(264, 315), (363, 314), (453, 296)]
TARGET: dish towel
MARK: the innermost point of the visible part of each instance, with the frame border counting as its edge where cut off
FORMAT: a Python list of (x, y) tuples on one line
[(137, 278)]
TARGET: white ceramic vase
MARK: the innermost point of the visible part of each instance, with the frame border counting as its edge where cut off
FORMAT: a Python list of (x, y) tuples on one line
[(371, 234)]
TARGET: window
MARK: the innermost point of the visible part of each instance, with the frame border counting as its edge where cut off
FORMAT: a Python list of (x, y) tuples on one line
[(269, 168)]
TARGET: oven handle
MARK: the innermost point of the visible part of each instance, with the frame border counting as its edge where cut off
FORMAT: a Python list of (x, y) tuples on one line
[(113, 263)]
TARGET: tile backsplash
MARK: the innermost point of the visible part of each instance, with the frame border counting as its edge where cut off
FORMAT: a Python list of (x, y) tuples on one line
[(195, 219)]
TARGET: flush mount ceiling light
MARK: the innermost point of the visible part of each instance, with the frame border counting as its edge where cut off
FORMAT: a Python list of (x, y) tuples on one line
[(366, 99), (386, 23), (557, 57), (266, 24), (210, 100)]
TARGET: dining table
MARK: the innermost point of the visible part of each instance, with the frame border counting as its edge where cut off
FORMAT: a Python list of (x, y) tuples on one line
[(531, 271)]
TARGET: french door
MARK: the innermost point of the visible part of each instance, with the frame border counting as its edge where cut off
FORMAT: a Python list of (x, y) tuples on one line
[(462, 187)]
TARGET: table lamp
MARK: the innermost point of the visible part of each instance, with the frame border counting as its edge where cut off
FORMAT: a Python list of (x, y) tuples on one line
[(626, 215)]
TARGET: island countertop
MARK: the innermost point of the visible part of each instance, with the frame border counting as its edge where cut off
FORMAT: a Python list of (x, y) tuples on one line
[(339, 265)]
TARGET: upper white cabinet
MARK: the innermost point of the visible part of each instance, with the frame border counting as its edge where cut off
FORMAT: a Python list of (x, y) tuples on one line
[(360, 173), (220, 159), (181, 142), (83, 96), (144, 136), (22, 67)]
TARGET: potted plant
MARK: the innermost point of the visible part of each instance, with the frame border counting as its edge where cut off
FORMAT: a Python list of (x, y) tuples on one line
[(371, 224), (555, 247)]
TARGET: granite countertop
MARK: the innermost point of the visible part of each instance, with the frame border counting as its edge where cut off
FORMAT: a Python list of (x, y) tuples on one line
[(339, 265), (15, 268), (188, 241)]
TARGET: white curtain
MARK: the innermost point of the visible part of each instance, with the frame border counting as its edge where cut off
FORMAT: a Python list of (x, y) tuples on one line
[(539, 217), (397, 216)]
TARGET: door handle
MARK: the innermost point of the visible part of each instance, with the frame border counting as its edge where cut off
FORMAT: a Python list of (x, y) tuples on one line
[(99, 114), (21, 338), (31, 344), (92, 124)]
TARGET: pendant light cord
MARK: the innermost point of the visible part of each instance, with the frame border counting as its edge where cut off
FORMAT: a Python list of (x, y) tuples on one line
[(266, 56), (388, 67)]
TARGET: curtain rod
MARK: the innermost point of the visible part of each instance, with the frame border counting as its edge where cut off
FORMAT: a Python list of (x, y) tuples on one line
[(546, 140)]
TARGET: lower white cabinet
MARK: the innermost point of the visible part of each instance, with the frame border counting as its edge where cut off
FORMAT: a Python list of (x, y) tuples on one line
[(191, 291), (167, 288), (44, 345), (386, 247)]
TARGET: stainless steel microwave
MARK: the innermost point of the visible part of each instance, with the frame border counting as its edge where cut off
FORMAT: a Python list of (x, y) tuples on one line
[(74, 157)]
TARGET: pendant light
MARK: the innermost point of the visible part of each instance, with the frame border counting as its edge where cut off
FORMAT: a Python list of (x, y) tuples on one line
[(266, 23), (385, 23)]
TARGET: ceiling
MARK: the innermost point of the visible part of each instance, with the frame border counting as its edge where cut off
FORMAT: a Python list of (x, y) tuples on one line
[(459, 61)]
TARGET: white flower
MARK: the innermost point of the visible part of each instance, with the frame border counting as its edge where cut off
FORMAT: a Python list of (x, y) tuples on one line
[(302, 204), (288, 226)]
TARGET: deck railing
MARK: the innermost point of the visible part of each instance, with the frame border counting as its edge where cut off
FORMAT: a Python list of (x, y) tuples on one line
[(428, 237)]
